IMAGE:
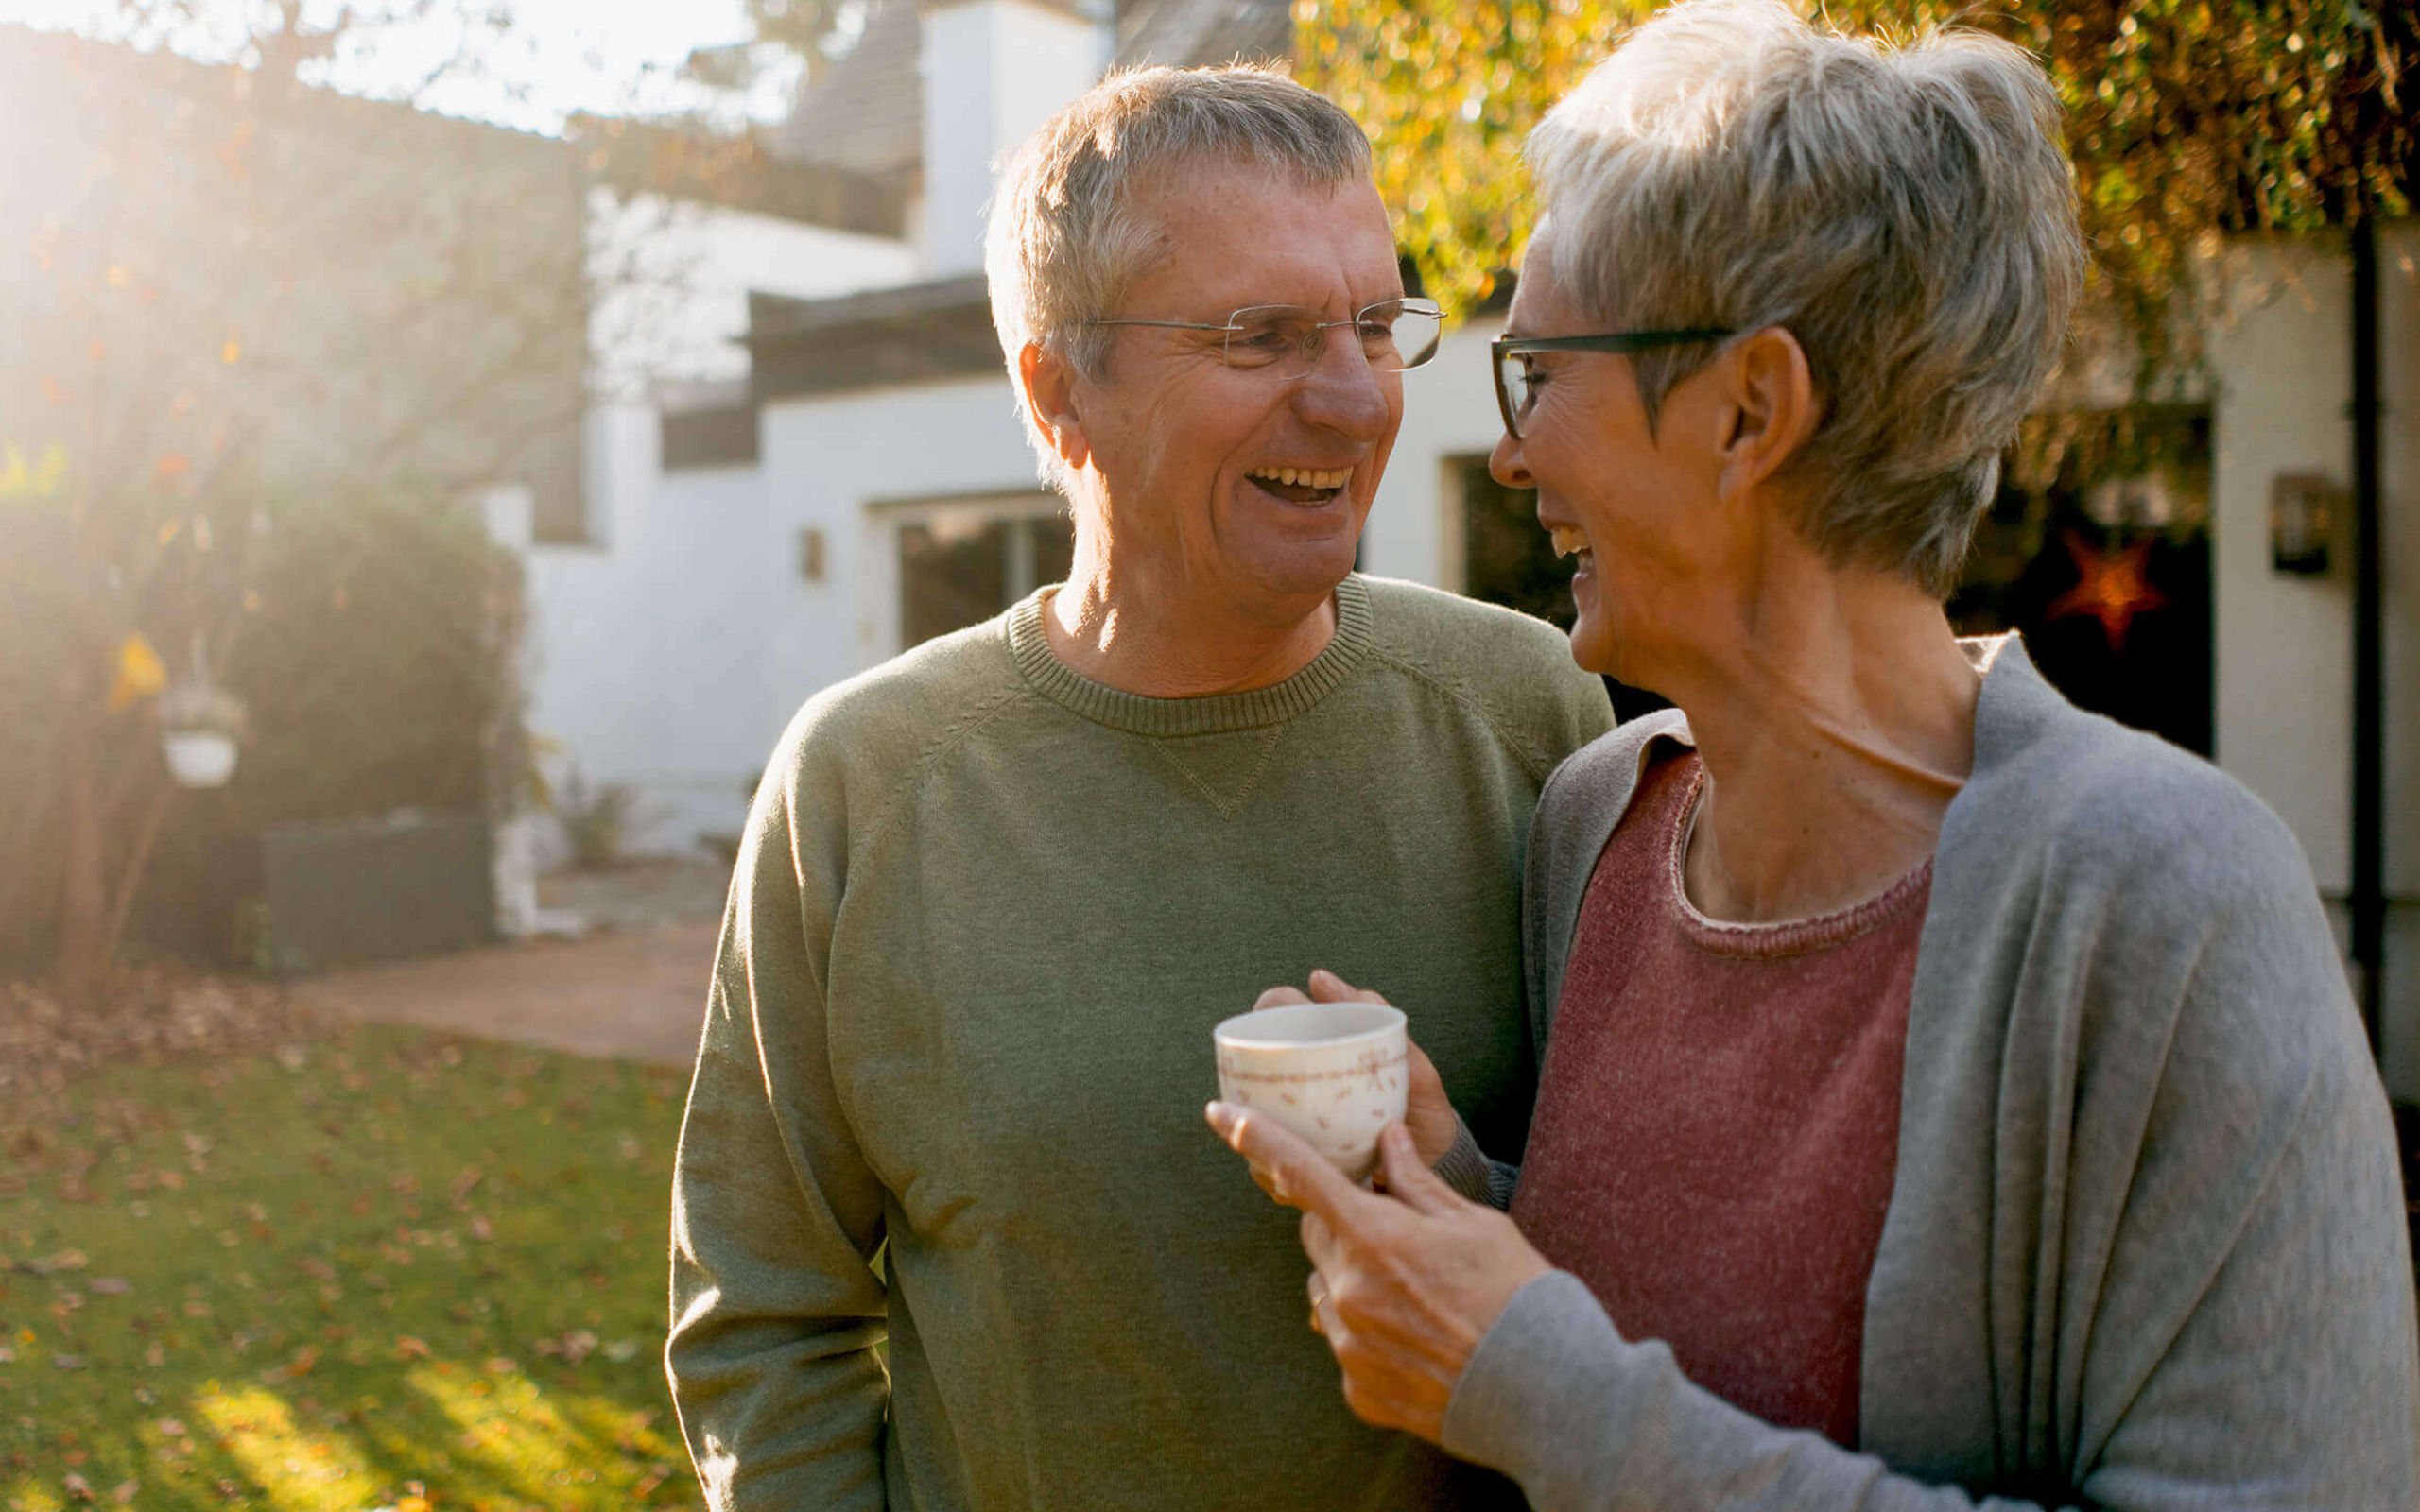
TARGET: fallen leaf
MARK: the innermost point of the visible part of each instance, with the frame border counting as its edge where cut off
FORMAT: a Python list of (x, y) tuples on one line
[(408, 1348), (111, 1286), (170, 1428), (125, 1492), (622, 1350), (68, 1362), (79, 1487)]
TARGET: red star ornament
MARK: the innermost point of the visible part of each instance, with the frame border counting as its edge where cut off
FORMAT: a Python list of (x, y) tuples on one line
[(2112, 586)]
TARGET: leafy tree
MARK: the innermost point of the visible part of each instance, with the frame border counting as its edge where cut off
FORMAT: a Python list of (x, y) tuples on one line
[(2185, 119), (250, 320)]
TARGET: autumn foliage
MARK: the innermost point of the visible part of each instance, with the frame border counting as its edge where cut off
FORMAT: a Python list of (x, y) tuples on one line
[(2185, 119)]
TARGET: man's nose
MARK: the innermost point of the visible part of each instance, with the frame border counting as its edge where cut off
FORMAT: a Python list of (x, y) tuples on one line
[(1506, 466), (1344, 394)]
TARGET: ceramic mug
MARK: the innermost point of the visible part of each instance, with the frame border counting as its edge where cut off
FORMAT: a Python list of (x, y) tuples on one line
[(1335, 1074)]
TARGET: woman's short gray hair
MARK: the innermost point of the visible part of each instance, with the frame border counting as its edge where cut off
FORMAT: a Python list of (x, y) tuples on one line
[(1062, 243), (1905, 213)]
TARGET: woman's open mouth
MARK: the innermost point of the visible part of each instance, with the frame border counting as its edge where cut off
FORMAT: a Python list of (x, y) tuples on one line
[(1301, 485), (1570, 541)]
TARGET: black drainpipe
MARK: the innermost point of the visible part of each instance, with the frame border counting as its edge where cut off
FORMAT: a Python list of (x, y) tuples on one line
[(2369, 687)]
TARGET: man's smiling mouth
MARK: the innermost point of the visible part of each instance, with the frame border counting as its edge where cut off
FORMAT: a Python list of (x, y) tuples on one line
[(1301, 485)]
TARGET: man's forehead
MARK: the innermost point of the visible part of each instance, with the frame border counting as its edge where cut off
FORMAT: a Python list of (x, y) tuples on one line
[(1244, 234)]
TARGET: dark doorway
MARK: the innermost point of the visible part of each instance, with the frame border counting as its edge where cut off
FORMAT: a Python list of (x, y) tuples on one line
[(2100, 558)]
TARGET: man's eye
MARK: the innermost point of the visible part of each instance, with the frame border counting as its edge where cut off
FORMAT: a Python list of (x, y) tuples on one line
[(1262, 338)]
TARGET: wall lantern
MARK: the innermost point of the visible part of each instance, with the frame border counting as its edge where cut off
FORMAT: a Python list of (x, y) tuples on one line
[(2302, 520)]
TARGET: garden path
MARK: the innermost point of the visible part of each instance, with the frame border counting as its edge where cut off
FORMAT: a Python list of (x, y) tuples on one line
[(636, 990)]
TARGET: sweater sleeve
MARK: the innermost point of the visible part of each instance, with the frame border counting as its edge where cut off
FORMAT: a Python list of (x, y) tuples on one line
[(1467, 1169), (776, 1218), (1588, 1422), (2243, 1337)]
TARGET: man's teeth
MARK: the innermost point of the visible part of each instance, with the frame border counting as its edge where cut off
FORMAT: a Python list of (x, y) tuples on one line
[(1303, 477), (1569, 541)]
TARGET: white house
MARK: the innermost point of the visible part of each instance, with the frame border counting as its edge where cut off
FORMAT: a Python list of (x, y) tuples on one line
[(873, 486)]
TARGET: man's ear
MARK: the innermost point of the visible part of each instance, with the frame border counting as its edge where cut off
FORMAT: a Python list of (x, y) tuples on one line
[(1770, 408), (1050, 387)]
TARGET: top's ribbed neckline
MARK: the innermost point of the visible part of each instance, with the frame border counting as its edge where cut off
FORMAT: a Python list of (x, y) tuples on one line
[(1218, 714), (1776, 938)]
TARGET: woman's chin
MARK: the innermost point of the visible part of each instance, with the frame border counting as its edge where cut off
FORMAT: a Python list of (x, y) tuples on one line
[(1591, 648)]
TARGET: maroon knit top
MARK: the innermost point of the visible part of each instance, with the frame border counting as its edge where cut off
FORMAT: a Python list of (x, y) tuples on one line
[(1718, 1118)]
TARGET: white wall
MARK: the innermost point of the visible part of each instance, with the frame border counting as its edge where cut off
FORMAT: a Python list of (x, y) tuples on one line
[(1415, 528), (647, 654), (2285, 644), (828, 463), (673, 279), (993, 71)]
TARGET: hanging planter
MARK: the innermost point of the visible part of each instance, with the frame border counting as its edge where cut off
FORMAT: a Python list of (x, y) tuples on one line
[(200, 727)]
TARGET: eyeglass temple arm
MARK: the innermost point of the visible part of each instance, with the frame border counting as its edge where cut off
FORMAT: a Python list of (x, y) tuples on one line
[(1628, 341)]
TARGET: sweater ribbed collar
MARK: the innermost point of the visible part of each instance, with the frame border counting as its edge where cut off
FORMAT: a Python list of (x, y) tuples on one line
[(1218, 714)]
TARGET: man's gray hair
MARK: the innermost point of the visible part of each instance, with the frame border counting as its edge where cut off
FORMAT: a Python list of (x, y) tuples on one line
[(1905, 213), (1062, 243)]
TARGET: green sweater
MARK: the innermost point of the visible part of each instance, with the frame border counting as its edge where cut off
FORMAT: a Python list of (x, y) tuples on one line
[(985, 917)]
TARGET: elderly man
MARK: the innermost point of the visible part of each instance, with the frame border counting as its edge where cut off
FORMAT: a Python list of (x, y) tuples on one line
[(996, 893)]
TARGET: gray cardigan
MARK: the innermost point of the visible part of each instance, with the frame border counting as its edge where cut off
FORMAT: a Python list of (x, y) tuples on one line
[(2146, 1247)]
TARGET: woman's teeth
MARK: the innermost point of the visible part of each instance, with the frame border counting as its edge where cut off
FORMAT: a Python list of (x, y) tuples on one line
[(1303, 477), (1569, 541)]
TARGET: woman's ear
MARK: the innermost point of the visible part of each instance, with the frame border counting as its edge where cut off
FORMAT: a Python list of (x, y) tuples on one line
[(1771, 408), (1049, 388)]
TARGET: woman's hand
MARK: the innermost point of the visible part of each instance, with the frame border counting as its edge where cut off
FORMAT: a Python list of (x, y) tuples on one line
[(1404, 1285), (1427, 1112)]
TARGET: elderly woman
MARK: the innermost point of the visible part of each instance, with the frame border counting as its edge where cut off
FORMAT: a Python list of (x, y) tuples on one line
[(1950, 1096)]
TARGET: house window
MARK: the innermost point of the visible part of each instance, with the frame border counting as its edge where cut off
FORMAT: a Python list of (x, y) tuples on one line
[(959, 567)]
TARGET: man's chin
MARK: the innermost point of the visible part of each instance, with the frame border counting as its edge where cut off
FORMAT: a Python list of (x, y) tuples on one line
[(1298, 576)]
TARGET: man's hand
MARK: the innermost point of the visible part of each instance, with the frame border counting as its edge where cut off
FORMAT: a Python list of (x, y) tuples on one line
[(1404, 1285), (1427, 1111)]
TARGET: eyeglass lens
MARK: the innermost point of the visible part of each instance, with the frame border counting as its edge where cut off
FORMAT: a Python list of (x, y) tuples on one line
[(1394, 334), (1512, 388)]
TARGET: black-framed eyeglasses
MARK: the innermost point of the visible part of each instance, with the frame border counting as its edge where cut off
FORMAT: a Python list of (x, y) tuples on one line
[(1516, 384), (1286, 340)]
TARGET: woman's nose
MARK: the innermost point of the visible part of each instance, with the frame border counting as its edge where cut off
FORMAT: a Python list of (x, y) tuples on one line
[(1505, 464)]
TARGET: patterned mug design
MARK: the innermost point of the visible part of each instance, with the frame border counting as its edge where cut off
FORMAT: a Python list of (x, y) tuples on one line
[(1334, 1073)]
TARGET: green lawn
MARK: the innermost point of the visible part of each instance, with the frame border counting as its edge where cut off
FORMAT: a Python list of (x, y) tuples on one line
[(383, 1268)]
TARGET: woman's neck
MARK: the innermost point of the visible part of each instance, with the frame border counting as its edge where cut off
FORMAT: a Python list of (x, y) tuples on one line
[(1835, 728)]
